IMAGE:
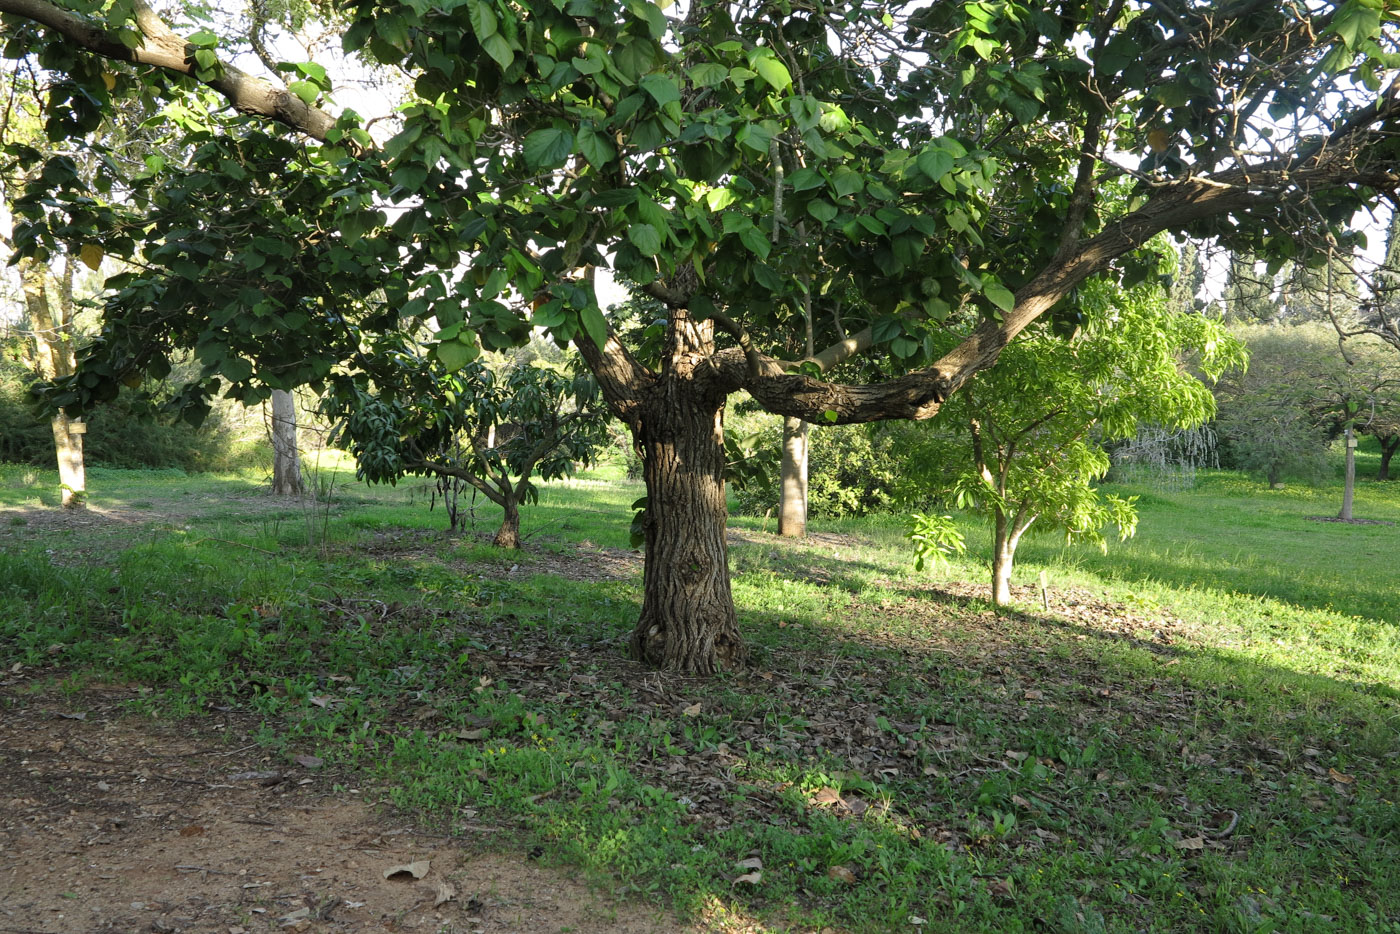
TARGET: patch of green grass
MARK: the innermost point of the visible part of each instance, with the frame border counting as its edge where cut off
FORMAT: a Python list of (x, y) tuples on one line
[(1200, 735)]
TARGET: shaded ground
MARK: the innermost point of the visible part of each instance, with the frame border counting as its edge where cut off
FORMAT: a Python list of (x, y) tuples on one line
[(897, 711), (118, 822)]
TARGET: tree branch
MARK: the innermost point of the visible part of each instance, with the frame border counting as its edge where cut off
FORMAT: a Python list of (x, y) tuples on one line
[(162, 48)]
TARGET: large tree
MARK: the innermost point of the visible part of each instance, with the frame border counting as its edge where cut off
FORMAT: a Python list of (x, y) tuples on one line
[(739, 161)]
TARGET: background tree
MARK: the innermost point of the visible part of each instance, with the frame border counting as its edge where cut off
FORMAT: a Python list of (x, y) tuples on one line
[(1279, 417), (1031, 431), (1249, 295), (494, 430), (950, 173), (286, 455), (48, 298)]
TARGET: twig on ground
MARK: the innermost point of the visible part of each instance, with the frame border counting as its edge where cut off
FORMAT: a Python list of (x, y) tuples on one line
[(1229, 828)]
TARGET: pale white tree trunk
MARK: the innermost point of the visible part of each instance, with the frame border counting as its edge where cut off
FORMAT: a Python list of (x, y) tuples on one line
[(792, 502), (72, 477), (286, 465), (1350, 489)]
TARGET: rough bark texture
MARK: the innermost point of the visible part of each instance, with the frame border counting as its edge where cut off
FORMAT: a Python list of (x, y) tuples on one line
[(792, 502), (286, 459), (688, 622), (508, 535)]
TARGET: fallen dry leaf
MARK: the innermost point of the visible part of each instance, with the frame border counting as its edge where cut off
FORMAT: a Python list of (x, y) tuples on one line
[(417, 869), (825, 797), (446, 891), (73, 716), (1340, 777), (753, 862), (1191, 843), (752, 878), (310, 762), (841, 874), (472, 734)]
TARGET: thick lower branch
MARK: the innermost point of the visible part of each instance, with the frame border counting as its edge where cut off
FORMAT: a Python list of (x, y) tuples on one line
[(162, 48)]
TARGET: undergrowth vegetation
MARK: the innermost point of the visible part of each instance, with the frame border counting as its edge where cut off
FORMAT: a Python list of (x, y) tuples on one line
[(1199, 733)]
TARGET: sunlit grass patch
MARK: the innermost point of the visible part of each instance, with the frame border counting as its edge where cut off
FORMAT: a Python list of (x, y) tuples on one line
[(1174, 745)]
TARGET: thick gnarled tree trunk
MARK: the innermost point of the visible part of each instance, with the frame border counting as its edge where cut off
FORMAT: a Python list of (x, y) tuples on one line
[(688, 622), (676, 416)]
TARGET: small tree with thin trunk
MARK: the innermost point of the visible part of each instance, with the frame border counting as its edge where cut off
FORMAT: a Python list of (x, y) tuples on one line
[(1027, 450), (496, 430)]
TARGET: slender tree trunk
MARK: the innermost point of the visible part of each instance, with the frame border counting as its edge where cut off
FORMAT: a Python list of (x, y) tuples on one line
[(508, 535), (1388, 449), (1003, 557), (792, 504), (286, 463), (53, 342), (1005, 540), (1350, 488)]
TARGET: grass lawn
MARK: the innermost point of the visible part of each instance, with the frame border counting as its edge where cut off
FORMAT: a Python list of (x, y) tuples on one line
[(1202, 732)]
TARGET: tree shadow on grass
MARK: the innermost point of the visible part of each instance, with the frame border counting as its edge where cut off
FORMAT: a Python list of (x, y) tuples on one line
[(917, 726)]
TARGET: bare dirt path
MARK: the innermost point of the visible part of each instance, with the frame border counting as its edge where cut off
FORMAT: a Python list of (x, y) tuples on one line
[(111, 821)]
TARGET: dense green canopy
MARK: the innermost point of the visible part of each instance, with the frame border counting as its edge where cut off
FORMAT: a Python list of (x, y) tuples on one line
[(750, 165)]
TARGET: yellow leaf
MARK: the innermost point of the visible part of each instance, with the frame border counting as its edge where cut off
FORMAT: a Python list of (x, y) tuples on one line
[(109, 79), (91, 254)]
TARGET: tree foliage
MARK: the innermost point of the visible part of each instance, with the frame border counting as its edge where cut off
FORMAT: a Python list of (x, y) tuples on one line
[(747, 164), (1278, 417), (496, 429), (1031, 431)]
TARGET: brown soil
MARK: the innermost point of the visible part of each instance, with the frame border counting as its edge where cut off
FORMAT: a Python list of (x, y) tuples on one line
[(116, 822)]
